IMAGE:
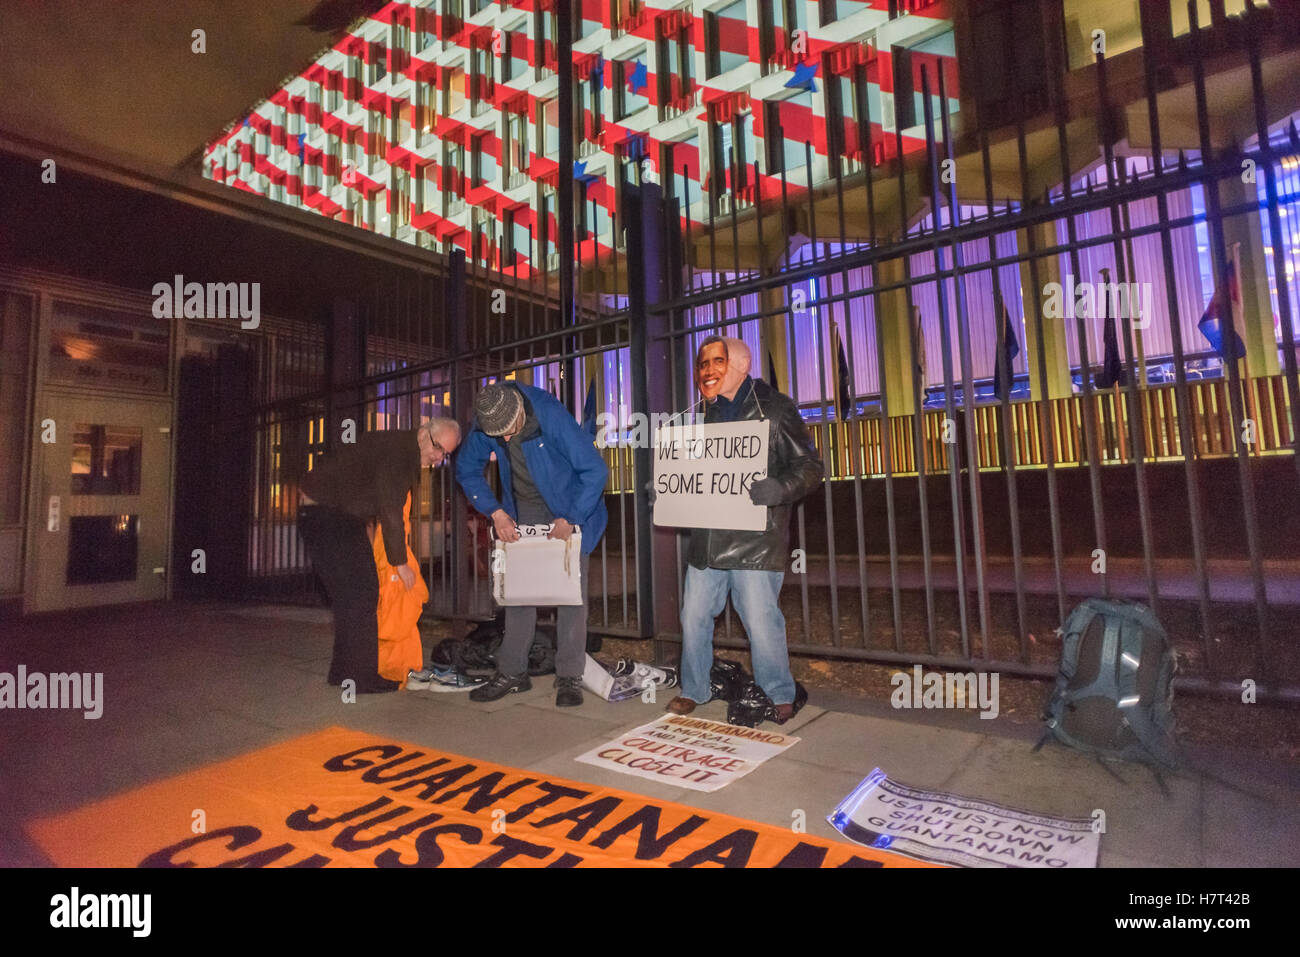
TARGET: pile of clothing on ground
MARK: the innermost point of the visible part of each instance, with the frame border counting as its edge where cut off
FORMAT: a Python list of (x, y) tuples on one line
[(461, 664), (747, 705)]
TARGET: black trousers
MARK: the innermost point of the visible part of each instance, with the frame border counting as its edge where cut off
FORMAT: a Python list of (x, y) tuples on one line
[(344, 559)]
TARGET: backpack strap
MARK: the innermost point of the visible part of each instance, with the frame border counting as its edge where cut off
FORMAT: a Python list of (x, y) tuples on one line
[(1137, 713), (1071, 634)]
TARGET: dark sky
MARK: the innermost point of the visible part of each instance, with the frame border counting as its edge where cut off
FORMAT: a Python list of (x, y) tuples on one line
[(118, 76)]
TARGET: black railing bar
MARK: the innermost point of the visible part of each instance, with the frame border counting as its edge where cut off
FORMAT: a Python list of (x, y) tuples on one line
[(1218, 263), (828, 445), (1182, 402), (918, 388), (1136, 417), (852, 430), (1286, 320), (866, 145), (953, 454), (1009, 455), (968, 387)]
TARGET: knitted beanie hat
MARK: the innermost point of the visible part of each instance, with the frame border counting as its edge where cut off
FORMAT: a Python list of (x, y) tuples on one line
[(497, 406)]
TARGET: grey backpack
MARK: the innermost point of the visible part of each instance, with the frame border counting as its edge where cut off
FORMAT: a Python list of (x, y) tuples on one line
[(1114, 691)]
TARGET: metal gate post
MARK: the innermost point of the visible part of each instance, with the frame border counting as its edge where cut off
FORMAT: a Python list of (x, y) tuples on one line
[(565, 11), (462, 404), (651, 228), (345, 365)]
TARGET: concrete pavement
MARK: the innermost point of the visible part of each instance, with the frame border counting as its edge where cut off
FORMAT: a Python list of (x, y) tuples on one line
[(186, 685)]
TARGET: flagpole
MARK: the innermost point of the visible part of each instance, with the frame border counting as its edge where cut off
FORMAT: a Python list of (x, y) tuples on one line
[(1138, 343), (1237, 316), (1116, 406)]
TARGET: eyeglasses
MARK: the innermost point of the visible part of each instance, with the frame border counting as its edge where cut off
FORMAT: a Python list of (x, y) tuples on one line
[(437, 447)]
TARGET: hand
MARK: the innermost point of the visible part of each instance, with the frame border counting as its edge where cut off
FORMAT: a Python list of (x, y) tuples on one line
[(407, 574), (505, 526), (766, 491), (561, 530), (651, 495)]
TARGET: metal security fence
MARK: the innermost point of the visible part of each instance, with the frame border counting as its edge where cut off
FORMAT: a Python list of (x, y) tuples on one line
[(403, 352), (974, 491), (963, 533)]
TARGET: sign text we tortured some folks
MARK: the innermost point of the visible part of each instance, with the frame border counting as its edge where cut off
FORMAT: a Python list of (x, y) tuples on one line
[(703, 474)]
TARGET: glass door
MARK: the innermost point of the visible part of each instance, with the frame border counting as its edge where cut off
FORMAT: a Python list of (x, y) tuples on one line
[(103, 503)]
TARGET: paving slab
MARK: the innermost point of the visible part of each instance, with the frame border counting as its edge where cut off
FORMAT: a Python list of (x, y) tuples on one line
[(190, 684), (1163, 830), (514, 736), (919, 755), (1249, 829), (785, 793)]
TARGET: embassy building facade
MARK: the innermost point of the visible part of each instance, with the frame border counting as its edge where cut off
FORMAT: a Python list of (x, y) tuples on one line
[(438, 122)]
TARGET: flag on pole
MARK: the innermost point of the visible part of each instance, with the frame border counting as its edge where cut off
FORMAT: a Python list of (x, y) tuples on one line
[(1010, 348), (1221, 323), (589, 409), (1112, 372), (845, 407), (918, 330), (771, 371)]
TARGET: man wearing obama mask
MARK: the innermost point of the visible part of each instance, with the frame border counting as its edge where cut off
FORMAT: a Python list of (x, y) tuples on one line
[(748, 566)]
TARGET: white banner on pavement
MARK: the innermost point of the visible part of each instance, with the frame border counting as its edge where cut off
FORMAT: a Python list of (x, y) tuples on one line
[(951, 829), (690, 752), (702, 475)]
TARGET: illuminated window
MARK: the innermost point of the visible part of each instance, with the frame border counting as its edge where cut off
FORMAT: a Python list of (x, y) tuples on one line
[(548, 127), (453, 90), (106, 460), (674, 55)]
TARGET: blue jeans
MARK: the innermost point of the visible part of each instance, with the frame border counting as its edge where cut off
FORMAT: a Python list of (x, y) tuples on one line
[(756, 596)]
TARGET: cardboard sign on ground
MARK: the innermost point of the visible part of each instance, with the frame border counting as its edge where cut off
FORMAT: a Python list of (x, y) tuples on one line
[(702, 475), (692, 752), (344, 798), (951, 829)]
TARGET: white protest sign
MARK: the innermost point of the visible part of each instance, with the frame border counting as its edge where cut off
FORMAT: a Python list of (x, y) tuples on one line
[(703, 473), (951, 829), (690, 752)]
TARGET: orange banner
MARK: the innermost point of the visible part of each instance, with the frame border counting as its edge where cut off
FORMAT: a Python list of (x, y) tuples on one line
[(343, 798)]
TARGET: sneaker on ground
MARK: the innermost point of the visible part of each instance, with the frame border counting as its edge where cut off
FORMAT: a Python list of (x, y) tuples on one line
[(500, 686), (449, 679), (419, 680)]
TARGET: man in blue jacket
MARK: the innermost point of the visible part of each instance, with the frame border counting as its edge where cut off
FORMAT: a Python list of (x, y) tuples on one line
[(551, 474)]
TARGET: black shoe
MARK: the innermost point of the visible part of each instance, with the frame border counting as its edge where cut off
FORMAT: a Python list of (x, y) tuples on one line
[(376, 684), (372, 685), (568, 692), (500, 686), (381, 686)]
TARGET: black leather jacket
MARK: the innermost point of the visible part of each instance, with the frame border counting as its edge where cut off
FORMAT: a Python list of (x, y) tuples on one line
[(791, 459)]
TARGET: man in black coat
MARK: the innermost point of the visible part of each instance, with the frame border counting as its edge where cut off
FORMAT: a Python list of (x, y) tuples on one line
[(365, 481), (750, 566)]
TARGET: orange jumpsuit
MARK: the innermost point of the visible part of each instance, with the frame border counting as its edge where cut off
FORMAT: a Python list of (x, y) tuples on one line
[(400, 649)]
